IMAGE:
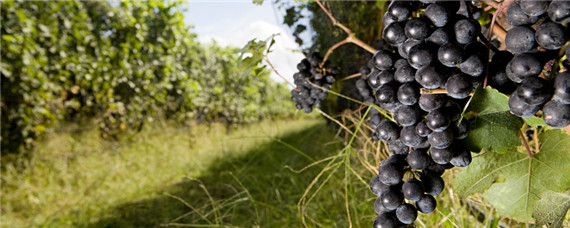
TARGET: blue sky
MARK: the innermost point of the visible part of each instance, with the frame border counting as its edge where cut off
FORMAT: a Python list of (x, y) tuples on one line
[(236, 22)]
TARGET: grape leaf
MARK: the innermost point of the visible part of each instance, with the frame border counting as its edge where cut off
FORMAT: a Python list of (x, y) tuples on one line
[(492, 125), (552, 208), (513, 182), (534, 121)]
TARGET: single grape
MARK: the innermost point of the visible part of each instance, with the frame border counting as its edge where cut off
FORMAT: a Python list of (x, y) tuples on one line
[(534, 91), (420, 56), (426, 204), (422, 129), (473, 66), (392, 198), (405, 74), (407, 115), (408, 93), (390, 174), (466, 31), (520, 39), (406, 213), (559, 11), (409, 137), (379, 208), (556, 114), (433, 184), (450, 54), (417, 29), (523, 66), (418, 159), (441, 139), (460, 130), (429, 78), (413, 190), (550, 35), (441, 156), (515, 16), (377, 187), (394, 33), (461, 156), (399, 10), (384, 220), (386, 94), (437, 14), (382, 60), (520, 108), (533, 7), (398, 147), (439, 36), (401, 63), (562, 88), (436, 169), (388, 130), (398, 161), (437, 120), (458, 86), (430, 102), (387, 19)]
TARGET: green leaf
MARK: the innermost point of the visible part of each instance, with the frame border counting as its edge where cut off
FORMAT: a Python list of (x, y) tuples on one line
[(513, 182), (492, 125), (551, 209), (534, 121)]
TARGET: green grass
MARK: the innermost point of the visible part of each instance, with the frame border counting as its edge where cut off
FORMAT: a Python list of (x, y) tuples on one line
[(201, 176)]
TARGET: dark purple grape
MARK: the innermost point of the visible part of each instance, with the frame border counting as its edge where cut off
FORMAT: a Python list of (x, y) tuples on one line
[(418, 159), (386, 94), (437, 120), (559, 11), (406, 213), (404, 48), (390, 175), (379, 208), (408, 93), (387, 19), (383, 60), (458, 86), (384, 220), (534, 91), (388, 130), (401, 63), (473, 65), (520, 39), (422, 129), (397, 147), (523, 66), (515, 16), (435, 169), (433, 184), (534, 7), (394, 33), (395, 160), (405, 73), (409, 137), (429, 78), (450, 54), (441, 156), (377, 187), (413, 190), (420, 56), (399, 10), (461, 156), (520, 108), (460, 130), (427, 204), (556, 114), (441, 139), (407, 115), (562, 88), (439, 36), (437, 14), (417, 29), (466, 31), (551, 36), (392, 198), (430, 102)]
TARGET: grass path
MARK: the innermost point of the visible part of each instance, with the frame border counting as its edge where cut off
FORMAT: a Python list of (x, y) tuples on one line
[(78, 179)]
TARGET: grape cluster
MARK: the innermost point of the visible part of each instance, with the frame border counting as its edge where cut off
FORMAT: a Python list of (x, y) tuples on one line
[(437, 50), (538, 33), (310, 77)]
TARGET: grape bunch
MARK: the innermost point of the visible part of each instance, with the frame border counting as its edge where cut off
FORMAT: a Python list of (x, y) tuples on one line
[(310, 77), (539, 30), (437, 51)]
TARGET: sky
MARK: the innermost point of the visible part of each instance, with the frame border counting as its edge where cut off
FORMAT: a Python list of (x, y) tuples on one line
[(236, 22)]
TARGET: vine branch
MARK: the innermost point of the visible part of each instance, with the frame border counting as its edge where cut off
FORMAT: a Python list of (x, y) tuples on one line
[(502, 6), (351, 38)]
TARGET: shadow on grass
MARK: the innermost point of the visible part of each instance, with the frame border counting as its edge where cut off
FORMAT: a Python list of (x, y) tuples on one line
[(247, 190)]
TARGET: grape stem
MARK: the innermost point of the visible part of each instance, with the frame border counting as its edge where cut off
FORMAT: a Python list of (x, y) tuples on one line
[(436, 91), (351, 38), (350, 76), (525, 143)]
